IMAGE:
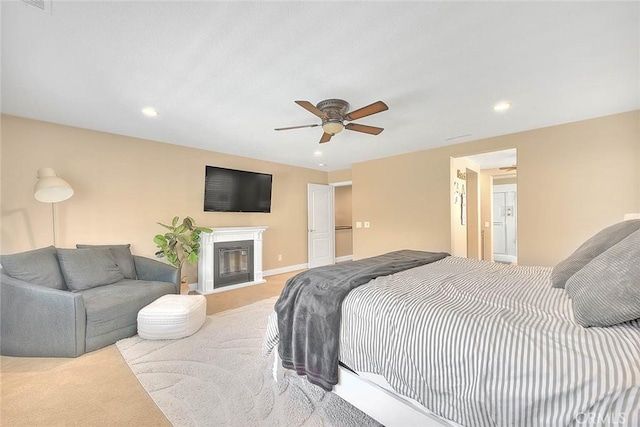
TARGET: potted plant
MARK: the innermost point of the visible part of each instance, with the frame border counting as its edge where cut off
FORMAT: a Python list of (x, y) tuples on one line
[(181, 243)]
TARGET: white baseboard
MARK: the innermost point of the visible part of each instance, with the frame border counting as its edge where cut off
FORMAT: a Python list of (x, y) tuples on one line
[(297, 267), (287, 269)]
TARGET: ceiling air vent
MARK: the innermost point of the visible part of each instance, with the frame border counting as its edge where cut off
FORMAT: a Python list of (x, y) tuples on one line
[(43, 5)]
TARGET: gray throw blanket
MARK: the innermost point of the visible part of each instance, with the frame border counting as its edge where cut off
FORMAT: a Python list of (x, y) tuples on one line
[(309, 310)]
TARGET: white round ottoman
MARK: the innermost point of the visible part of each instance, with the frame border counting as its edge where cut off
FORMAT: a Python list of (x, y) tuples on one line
[(172, 316)]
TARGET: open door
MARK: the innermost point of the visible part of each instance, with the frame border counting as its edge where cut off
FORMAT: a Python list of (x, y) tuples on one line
[(320, 225)]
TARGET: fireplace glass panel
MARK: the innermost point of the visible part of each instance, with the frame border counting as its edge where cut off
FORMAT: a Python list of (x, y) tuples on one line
[(233, 261)]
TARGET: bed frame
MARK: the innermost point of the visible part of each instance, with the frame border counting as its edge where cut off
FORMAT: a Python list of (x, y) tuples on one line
[(387, 408)]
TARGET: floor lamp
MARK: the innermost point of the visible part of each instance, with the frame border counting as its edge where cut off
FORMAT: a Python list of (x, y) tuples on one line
[(50, 188)]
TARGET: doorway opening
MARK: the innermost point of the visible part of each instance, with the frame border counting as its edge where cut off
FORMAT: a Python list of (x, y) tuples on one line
[(330, 234), (343, 221), (484, 206)]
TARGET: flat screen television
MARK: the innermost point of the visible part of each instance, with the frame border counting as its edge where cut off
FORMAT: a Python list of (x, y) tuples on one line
[(231, 190)]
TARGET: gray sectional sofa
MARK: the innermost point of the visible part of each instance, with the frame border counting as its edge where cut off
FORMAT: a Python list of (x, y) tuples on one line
[(66, 302)]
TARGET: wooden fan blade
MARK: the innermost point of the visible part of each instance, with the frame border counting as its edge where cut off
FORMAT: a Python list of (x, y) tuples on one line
[(363, 128), (326, 137), (374, 108), (299, 127), (312, 108)]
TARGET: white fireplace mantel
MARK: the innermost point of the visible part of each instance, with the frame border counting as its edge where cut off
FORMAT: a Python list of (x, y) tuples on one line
[(206, 275)]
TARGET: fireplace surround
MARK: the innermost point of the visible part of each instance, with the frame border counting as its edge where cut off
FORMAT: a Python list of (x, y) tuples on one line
[(230, 258)]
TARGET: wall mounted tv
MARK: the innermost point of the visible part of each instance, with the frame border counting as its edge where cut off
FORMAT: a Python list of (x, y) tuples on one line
[(231, 190)]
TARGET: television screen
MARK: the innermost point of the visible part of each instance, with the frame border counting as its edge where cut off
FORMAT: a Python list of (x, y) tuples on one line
[(230, 190)]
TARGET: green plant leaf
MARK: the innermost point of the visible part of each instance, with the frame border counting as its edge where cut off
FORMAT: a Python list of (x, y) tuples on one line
[(180, 242), (192, 258)]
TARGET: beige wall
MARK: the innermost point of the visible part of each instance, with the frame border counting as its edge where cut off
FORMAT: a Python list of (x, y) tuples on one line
[(344, 238), (124, 185), (459, 230), (473, 214), (343, 175), (573, 180)]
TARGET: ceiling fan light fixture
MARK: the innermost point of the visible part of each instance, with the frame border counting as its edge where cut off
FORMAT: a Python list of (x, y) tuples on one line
[(332, 127)]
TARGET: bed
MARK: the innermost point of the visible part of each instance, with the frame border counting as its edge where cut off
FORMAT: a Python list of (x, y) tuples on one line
[(485, 344)]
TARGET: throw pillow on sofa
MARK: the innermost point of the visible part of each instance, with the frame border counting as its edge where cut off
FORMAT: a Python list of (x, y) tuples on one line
[(88, 268), (39, 266), (123, 256)]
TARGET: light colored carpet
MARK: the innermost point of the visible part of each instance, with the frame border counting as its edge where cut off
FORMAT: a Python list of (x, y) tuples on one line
[(218, 377)]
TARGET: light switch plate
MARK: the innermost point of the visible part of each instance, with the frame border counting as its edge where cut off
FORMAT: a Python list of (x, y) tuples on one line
[(358, 224), (367, 224)]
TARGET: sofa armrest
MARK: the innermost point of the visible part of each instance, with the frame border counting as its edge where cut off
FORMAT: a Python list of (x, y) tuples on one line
[(150, 269), (40, 322)]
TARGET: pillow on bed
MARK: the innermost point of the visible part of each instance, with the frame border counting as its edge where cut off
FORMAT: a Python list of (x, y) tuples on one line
[(607, 290), (590, 249)]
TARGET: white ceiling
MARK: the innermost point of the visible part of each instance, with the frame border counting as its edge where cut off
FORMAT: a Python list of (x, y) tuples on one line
[(495, 159), (223, 75)]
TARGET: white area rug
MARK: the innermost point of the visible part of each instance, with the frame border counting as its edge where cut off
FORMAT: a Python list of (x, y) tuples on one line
[(218, 377)]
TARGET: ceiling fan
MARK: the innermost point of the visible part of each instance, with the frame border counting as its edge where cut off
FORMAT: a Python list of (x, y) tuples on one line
[(509, 168), (333, 113)]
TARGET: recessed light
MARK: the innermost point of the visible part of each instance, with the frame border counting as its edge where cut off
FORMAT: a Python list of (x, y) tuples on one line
[(321, 165), (317, 153), (502, 106), (149, 111)]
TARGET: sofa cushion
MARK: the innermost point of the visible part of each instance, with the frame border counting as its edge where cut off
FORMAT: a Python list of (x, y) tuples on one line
[(112, 310), (39, 266), (590, 249), (88, 268), (123, 256)]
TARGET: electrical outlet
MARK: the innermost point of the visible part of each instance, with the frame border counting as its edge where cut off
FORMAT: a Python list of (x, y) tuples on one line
[(279, 257)]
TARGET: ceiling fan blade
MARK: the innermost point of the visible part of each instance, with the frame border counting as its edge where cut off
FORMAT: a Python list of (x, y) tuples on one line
[(325, 138), (363, 128), (374, 108), (299, 127), (312, 108)]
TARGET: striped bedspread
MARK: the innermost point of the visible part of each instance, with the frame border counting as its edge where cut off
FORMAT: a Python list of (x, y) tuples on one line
[(487, 344)]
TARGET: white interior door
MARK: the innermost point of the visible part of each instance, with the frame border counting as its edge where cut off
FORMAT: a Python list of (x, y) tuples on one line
[(320, 225), (504, 223)]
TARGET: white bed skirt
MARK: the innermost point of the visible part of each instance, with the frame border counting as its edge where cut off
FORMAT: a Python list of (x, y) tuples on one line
[(380, 403)]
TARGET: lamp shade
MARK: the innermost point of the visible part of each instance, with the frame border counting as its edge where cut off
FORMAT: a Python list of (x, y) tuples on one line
[(332, 127), (50, 188)]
